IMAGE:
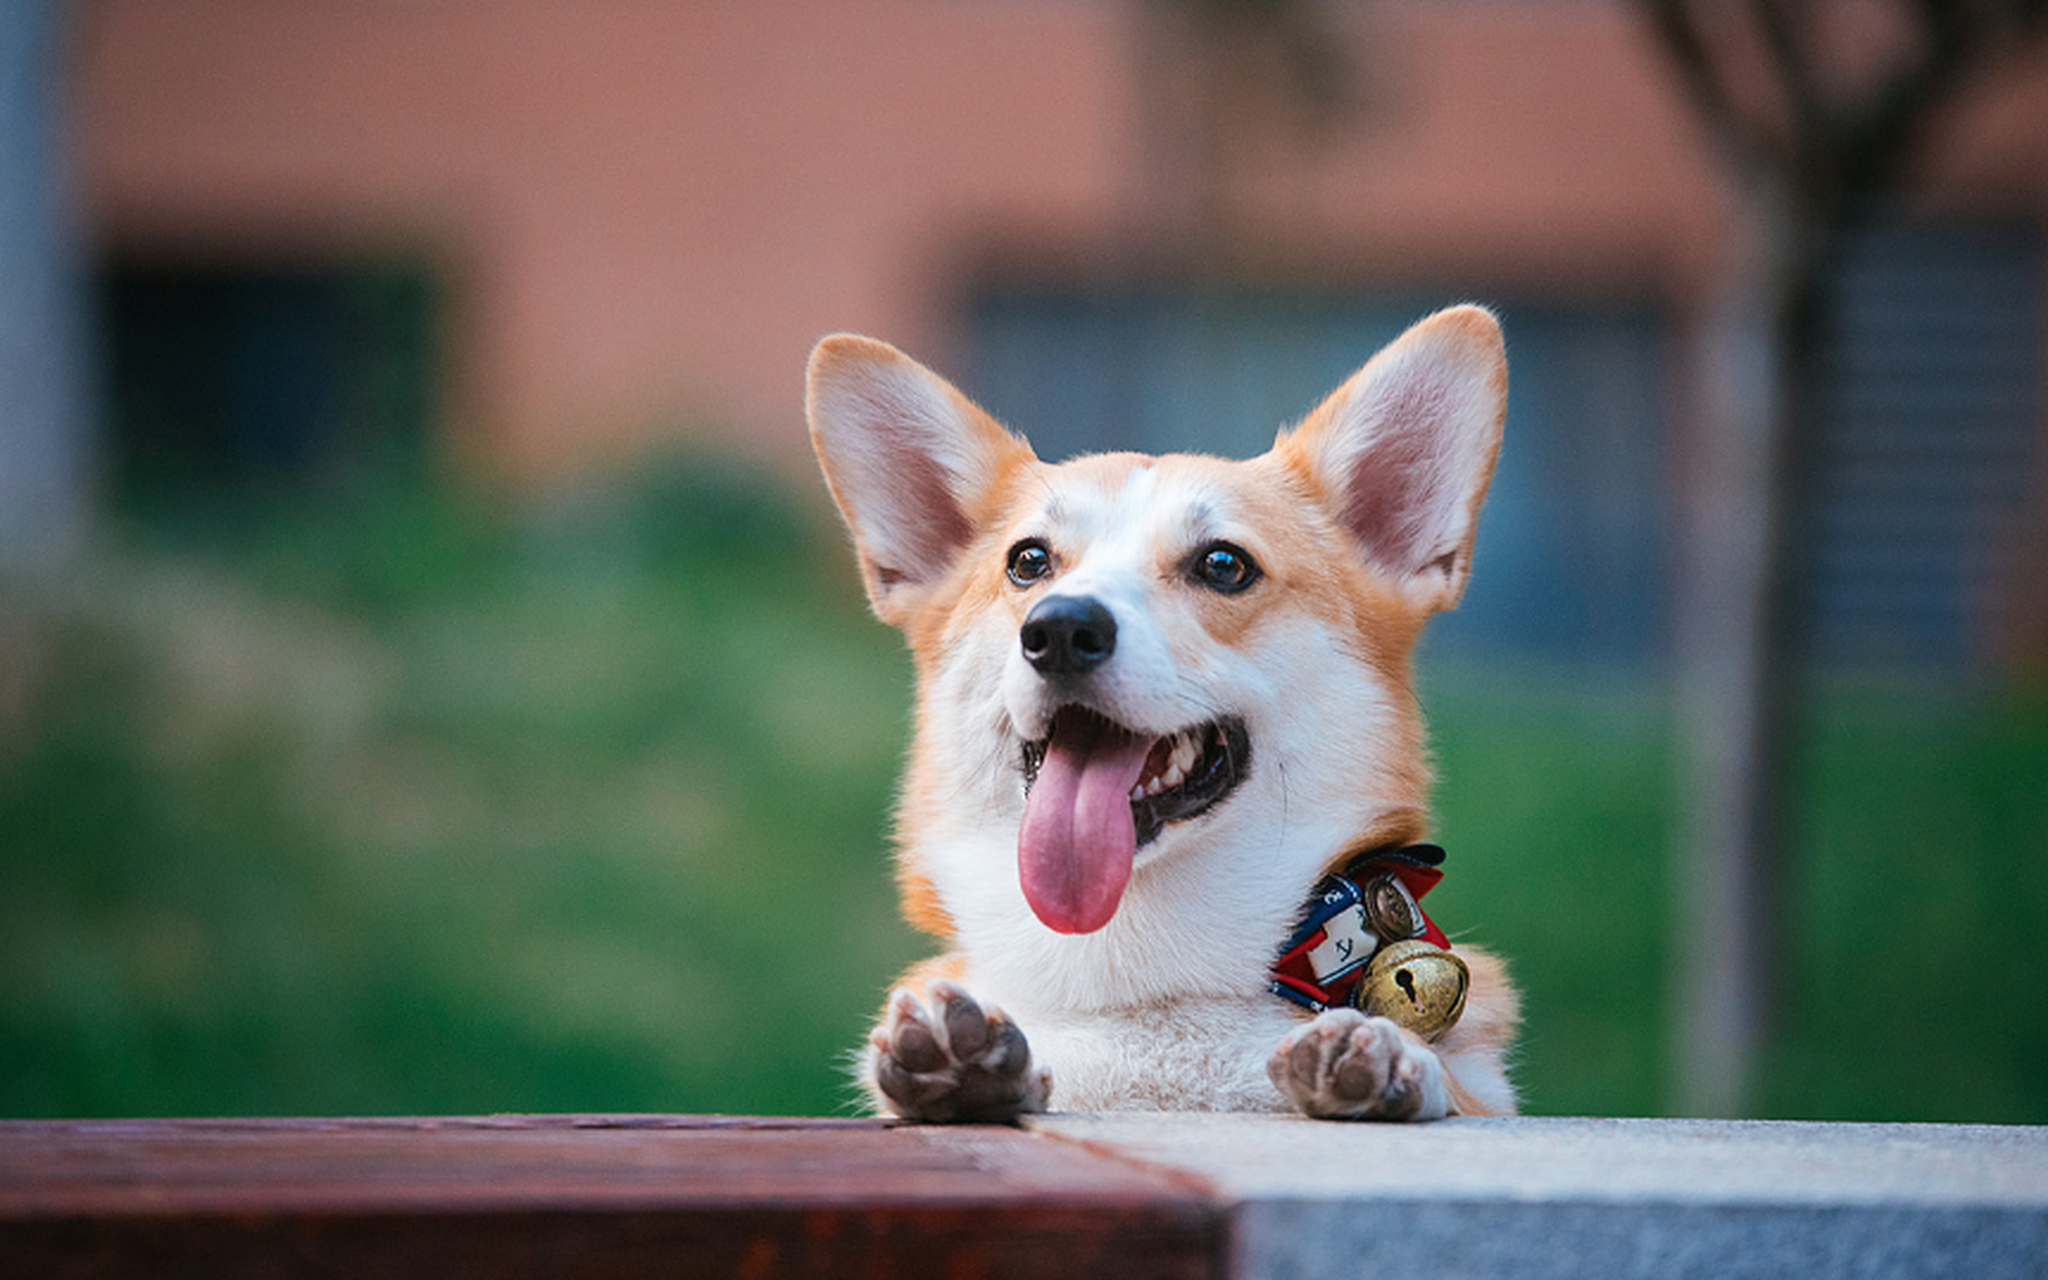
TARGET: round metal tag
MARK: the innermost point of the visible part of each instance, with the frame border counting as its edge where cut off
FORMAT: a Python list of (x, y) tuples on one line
[(1391, 911)]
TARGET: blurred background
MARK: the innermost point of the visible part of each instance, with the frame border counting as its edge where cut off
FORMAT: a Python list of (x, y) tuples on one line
[(432, 680)]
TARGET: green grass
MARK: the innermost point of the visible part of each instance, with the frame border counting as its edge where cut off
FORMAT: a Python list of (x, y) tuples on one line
[(1917, 894), (1922, 899), (417, 809), (1554, 801), (392, 802)]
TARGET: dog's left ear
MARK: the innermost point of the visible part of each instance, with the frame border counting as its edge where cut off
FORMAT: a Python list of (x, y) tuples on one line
[(1404, 450)]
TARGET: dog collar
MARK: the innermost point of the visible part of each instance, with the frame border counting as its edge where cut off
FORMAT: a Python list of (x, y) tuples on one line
[(1372, 901)]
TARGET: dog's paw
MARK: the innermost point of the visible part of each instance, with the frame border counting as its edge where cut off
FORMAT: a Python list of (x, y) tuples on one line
[(1346, 1066), (944, 1057)]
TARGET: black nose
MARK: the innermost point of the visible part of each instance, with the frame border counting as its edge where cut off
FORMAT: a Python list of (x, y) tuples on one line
[(1068, 635)]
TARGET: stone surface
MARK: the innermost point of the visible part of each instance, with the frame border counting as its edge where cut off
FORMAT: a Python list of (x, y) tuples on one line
[(1612, 1198)]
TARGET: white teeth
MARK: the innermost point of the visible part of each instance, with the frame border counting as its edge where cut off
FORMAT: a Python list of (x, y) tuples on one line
[(1186, 751)]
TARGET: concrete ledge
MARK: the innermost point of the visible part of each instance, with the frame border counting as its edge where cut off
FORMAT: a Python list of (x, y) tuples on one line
[(1608, 1198)]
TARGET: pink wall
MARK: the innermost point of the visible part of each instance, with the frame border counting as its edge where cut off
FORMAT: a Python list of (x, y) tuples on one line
[(651, 208)]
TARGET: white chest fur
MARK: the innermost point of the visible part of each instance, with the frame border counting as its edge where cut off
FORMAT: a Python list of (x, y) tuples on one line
[(1186, 1055)]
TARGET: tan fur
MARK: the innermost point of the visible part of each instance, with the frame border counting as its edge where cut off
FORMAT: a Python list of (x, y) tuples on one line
[(921, 906)]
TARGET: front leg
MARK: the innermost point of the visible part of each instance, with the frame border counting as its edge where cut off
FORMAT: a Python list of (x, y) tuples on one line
[(1344, 1065), (943, 1057)]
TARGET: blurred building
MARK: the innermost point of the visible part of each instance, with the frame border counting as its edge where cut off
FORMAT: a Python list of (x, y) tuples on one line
[(546, 235)]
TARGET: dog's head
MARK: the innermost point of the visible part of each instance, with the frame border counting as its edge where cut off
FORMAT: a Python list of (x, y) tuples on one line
[(1130, 661)]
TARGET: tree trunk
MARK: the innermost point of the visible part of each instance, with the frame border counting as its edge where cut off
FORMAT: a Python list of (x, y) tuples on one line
[(1739, 645)]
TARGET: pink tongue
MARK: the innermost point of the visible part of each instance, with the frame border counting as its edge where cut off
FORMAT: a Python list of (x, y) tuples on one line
[(1074, 851)]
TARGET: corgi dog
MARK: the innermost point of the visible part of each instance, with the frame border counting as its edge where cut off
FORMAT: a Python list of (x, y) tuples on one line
[(1160, 700)]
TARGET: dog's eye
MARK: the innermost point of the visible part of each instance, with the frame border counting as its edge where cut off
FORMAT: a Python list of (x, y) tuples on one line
[(1224, 567), (1029, 561)]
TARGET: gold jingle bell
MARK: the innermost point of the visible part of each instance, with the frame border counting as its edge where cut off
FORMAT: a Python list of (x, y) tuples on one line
[(1417, 984)]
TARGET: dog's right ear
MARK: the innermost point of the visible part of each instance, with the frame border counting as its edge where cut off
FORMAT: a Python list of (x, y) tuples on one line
[(912, 463)]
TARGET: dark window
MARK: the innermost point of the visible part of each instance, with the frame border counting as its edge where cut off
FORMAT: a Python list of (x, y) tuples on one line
[(1930, 401), (242, 373)]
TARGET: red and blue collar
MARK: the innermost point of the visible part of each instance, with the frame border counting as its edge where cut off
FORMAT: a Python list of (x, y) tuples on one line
[(1372, 901)]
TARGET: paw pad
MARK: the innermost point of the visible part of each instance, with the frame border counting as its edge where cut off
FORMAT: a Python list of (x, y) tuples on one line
[(1344, 1065), (944, 1057)]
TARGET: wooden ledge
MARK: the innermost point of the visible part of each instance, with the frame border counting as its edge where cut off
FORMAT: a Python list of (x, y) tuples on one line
[(583, 1196)]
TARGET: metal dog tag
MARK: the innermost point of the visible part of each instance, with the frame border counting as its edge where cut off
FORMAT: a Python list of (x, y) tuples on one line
[(1391, 912)]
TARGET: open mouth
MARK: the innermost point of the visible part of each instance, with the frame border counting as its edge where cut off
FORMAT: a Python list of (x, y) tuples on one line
[(1185, 773), (1094, 792)]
